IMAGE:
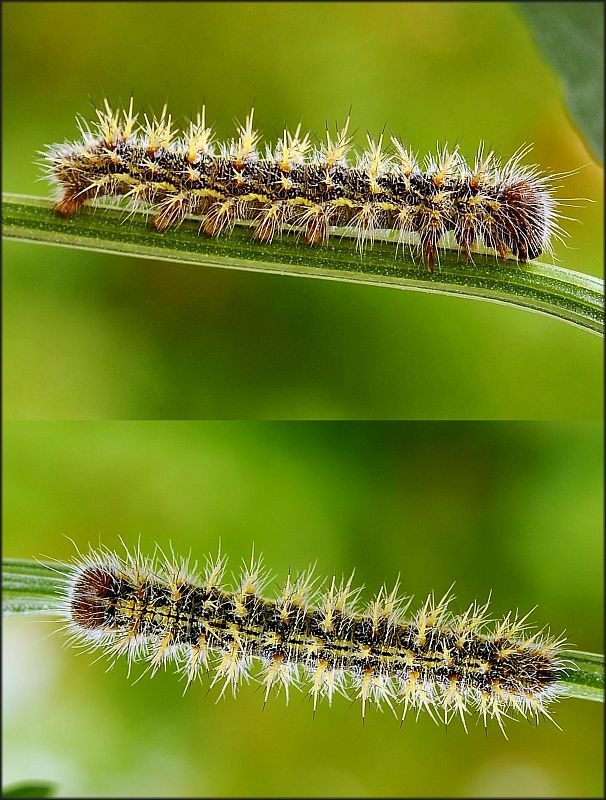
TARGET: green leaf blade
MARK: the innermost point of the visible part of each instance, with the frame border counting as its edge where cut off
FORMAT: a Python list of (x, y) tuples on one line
[(571, 37), (31, 587), (569, 296)]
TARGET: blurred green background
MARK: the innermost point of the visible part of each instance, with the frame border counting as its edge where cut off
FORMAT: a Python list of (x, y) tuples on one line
[(96, 336), (516, 509)]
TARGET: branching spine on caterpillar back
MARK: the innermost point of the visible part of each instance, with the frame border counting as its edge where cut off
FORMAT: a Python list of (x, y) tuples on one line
[(508, 208), (157, 609)]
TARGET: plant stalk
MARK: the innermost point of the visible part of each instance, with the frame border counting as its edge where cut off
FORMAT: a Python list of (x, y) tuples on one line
[(569, 296)]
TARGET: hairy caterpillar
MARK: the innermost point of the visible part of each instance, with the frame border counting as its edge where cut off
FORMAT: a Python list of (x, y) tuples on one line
[(157, 609), (507, 207)]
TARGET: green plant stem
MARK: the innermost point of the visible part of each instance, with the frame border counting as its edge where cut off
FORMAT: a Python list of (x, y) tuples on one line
[(584, 677), (31, 587), (34, 587), (569, 296)]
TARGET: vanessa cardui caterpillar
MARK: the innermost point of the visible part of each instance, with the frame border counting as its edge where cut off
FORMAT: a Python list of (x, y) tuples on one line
[(157, 609), (508, 208)]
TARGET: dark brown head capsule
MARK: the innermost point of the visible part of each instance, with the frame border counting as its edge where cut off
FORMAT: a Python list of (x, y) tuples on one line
[(93, 597)]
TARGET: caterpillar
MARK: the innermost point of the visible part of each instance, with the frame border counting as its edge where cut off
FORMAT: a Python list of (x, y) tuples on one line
[(507, 207), (315, 635)]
